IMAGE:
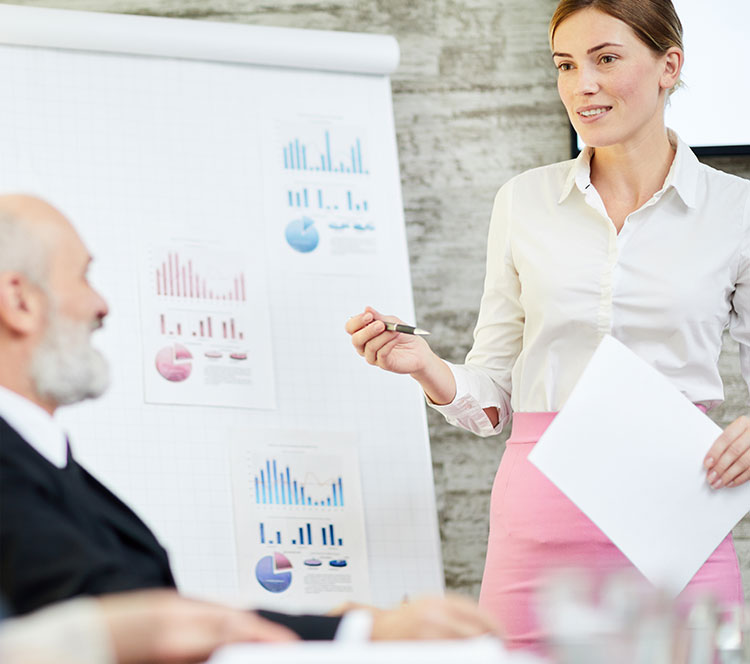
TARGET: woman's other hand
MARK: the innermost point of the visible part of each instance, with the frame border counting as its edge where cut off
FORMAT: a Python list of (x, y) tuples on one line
[(728, 461)]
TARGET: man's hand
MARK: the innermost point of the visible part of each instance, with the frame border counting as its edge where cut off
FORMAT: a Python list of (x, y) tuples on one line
[(433, 618), (161, 627)]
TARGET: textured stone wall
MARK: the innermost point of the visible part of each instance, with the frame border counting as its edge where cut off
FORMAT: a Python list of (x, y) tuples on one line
[(475, 103)]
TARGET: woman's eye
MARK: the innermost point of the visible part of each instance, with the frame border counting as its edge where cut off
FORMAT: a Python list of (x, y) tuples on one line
[(607, 59), (564, 66)]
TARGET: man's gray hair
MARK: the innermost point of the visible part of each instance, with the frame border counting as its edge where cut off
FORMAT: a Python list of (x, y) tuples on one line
[(22, 250)]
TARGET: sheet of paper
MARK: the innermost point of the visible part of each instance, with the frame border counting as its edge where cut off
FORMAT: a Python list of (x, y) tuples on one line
[(206, 324), (476, 651), (299, 520), (320, 186), (627, 448)]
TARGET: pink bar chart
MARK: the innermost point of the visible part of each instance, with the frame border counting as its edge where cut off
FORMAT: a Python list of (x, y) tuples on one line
[(199, 325), (176, 276)]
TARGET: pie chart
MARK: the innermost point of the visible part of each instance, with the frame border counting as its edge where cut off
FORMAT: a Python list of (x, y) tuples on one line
[(302, 235), (274, 572), (173, 363)]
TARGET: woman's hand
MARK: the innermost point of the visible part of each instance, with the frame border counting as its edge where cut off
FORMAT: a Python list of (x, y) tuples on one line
[(401, 353), (432, 618), (728, 461), (393, 351)]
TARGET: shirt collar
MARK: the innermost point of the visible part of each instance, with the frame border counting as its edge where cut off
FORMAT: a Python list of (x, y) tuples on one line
[(36, 426), (579, 174), (682, 175)]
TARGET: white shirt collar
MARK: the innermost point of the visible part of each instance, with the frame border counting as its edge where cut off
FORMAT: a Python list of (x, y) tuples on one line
[(35, 425), (682, 175)]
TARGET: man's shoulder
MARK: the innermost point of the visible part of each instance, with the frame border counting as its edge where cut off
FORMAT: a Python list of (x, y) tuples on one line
[(20, 464), (12, 445)]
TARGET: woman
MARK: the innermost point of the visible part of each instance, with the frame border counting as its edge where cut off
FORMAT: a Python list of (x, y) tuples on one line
[(634, 238)]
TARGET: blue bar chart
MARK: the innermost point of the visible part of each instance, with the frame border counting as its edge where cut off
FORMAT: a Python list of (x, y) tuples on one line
[(332, 199), (305, 534), (325, 152), (275, 484)]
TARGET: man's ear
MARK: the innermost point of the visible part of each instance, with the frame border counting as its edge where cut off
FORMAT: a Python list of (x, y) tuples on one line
[(22, 304)]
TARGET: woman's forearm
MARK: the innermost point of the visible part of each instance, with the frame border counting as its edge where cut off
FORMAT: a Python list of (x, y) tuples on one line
[(437, 381)]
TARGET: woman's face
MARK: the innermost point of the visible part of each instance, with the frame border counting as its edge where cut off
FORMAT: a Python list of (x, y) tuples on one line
[(612, 85)]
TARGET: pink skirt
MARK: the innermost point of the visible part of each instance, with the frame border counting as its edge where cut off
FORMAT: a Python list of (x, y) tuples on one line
[(535, 529)]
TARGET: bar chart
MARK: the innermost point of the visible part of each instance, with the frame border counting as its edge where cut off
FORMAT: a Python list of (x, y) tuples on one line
[(325, 151), (330, 198), (200, 326), (305, 534), (176, 276), (275, 484)]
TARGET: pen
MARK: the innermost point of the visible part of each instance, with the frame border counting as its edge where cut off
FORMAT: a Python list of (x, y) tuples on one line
[(406, 329)]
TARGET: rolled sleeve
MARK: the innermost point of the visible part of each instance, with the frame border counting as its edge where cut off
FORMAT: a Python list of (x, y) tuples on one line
[(474, 393)]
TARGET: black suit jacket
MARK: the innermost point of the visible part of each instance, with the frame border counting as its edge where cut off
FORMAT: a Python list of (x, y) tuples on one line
[(63, 534)]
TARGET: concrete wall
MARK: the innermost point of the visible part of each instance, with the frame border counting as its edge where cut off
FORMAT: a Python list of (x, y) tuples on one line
[(475, 103)]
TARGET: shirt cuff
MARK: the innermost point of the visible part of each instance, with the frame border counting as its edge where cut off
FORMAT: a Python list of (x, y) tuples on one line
[(465, 390), (462, 388), (355, 626), (466, 410)]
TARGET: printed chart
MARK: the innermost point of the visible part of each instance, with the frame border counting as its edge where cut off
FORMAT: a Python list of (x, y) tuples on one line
[(299, 520), (201, 344), (322, 197), (317, 155)]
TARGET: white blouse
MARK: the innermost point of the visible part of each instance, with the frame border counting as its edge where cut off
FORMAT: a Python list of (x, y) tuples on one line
[(560, 277)]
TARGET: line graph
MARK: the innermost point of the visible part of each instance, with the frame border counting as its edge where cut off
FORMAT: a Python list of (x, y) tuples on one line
[(177, 276), (274, 484)]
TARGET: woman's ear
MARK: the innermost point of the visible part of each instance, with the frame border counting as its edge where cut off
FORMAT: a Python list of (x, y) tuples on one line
[(673, 61)]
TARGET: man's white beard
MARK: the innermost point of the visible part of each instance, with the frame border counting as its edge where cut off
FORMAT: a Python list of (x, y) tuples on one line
[(65, 367)]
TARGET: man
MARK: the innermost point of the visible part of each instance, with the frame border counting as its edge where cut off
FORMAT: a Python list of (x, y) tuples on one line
[(62, 533)]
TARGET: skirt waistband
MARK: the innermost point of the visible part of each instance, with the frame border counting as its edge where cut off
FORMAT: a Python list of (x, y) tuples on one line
[(528, 427)]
